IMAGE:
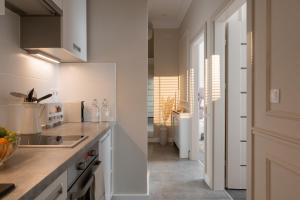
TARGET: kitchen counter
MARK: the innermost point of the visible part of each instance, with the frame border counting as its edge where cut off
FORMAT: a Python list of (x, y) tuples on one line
[(33, 169)]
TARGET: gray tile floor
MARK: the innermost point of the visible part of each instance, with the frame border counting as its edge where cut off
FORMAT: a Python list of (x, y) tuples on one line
[(237, 194), (174, 179)]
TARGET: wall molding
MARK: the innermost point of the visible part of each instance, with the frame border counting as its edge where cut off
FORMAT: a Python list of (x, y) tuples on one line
[(282, 138), (270, 112), (271, 160)]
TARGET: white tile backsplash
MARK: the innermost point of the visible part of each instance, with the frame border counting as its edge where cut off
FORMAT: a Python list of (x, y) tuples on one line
[(88, 81)]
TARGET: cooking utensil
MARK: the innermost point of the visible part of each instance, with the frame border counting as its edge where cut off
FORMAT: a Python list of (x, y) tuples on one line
[(44, 97), (5, 188), (19, 95), (30, 95)]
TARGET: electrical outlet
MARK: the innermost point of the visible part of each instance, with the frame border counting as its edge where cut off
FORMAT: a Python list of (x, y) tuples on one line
[(54, 93), (275, 96)]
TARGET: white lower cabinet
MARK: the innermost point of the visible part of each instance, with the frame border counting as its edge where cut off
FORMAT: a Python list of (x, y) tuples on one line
[(181, 127), (56, 190), (105, 156)]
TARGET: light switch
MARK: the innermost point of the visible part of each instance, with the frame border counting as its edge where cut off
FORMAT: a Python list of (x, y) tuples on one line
[(275, 96)]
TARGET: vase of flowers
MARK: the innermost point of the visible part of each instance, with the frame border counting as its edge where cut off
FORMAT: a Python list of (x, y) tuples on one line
[(166, 106)]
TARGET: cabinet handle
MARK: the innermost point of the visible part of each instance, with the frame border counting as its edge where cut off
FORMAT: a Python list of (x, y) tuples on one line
[(76, 47), (56, 193)]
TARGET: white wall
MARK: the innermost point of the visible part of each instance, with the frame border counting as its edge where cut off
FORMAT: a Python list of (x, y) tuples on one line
[(19, 71), (88, 81), (202, 12), (166, 52), (165, 67), (117, 32)]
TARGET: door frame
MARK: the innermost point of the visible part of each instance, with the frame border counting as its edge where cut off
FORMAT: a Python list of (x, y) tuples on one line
[(200, 38), (219, 21)]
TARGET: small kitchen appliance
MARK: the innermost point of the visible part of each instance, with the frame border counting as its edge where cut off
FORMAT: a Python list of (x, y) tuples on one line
[(52, 115), (25, 118)]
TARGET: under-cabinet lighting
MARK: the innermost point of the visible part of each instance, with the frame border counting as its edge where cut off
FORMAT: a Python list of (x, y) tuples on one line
[(43, 56), (46, 58)]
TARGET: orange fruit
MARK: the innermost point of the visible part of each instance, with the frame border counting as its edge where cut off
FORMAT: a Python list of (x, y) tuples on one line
[(3, 141)]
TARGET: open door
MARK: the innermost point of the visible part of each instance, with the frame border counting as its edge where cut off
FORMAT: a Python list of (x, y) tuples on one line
[(236, 109)]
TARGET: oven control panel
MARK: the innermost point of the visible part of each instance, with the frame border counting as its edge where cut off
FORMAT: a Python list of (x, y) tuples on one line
[(82, 163)]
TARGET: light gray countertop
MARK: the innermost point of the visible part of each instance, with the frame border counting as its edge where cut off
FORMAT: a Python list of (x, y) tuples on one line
[(33, 169)]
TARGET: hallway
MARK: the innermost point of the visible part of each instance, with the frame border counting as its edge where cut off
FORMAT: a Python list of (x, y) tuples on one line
[(174, 179)]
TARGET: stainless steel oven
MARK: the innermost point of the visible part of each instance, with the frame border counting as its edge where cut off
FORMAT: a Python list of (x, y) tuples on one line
[(81, 179)]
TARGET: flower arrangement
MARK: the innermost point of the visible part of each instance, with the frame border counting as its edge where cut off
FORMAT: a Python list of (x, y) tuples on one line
[(166, 106)]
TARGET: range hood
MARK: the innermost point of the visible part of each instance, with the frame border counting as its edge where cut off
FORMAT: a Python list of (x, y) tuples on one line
[(47, 30), (34, 7)]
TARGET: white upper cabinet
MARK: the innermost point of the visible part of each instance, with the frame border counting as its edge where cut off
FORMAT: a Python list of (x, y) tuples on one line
[(75, 27), (55, 28)]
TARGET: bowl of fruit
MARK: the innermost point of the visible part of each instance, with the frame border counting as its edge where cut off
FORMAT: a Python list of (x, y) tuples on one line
[(8, 144)]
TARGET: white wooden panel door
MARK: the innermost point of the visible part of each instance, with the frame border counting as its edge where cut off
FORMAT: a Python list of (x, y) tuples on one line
[(236, 109), (274, 129)]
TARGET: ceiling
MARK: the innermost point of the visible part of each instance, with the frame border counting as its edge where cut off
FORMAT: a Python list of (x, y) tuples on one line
[(167, 13)]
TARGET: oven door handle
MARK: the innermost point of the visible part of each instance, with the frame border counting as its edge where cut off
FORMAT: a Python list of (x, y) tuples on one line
[(88, 185), (84, 190)]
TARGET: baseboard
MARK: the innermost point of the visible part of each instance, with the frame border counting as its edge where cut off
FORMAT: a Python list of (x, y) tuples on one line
[(134, 196), (130, 197), (157, 140)]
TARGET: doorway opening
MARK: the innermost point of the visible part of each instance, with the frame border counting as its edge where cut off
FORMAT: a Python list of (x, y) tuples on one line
[(198, 95)]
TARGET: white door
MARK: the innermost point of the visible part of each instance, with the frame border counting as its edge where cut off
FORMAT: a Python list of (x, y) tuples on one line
[(197, 98), (236, 166), (275, 148)]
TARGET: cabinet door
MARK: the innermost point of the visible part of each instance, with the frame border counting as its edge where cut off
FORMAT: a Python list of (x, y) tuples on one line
[(106, 158), (74, 28), (56, 190)]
